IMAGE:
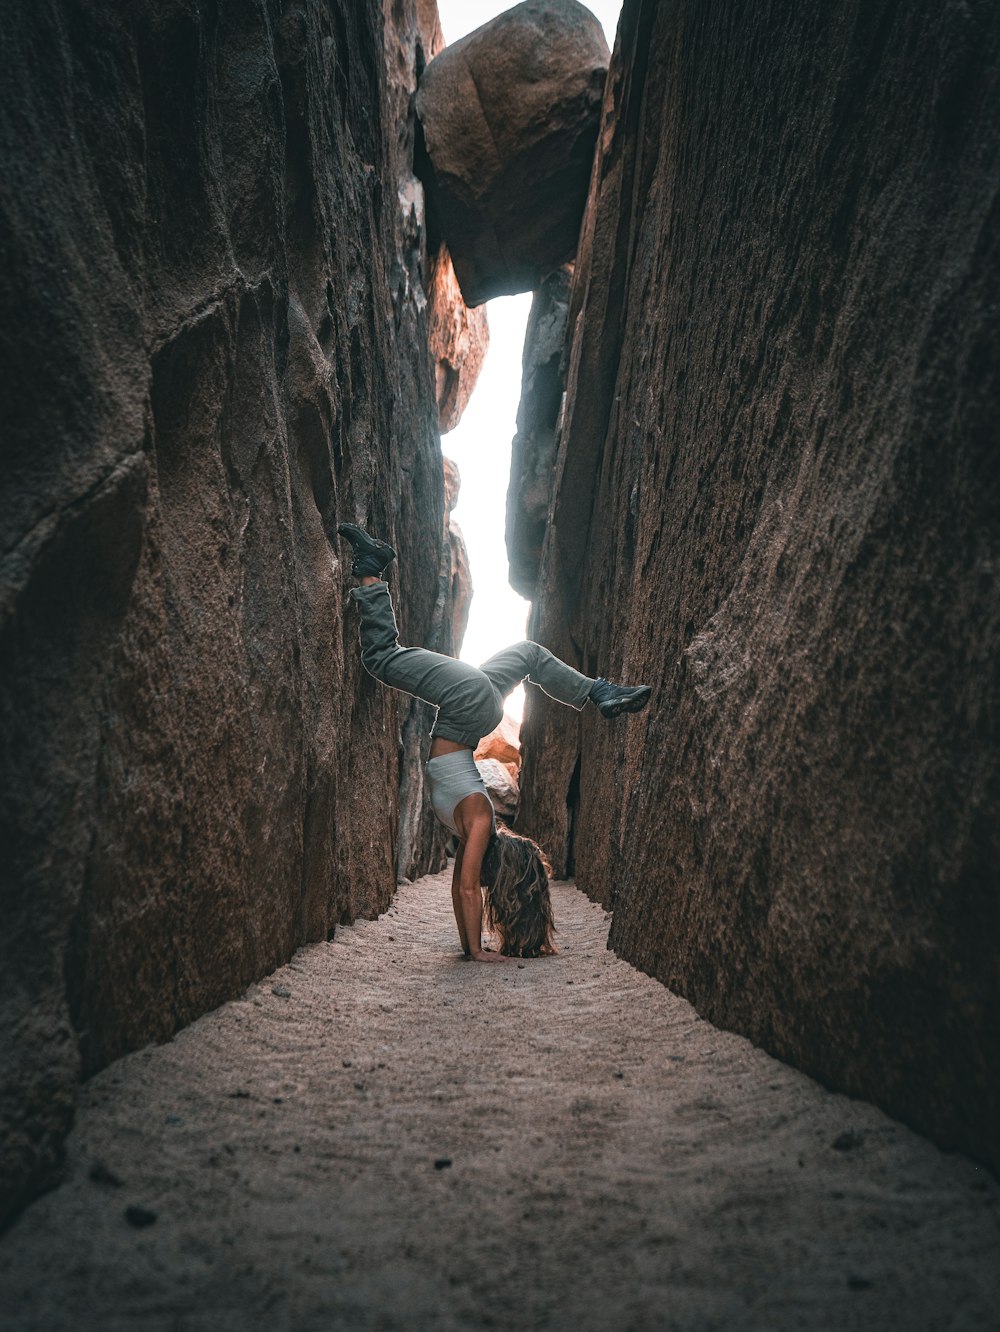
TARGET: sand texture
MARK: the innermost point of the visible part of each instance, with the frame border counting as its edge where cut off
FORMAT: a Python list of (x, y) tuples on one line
[(384, 1136)]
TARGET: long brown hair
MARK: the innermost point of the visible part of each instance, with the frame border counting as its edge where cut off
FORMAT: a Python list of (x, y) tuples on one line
[(515, 874)]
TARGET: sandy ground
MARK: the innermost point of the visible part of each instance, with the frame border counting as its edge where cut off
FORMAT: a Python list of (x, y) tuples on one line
[(384, 1136)]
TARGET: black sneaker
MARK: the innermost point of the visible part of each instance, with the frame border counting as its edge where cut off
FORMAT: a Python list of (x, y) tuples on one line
[(371, 556), (612, 699)]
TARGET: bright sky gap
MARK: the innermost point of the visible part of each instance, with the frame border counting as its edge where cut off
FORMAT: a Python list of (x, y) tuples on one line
[(480, 444)]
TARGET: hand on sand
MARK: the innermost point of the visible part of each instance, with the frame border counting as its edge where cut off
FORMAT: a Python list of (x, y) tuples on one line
[(487, 955)]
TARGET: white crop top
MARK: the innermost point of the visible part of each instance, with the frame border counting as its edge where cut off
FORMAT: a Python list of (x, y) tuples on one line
[(451, 778)]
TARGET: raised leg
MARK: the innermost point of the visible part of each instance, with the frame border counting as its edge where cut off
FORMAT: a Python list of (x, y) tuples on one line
[(536, 664), (465, 697)]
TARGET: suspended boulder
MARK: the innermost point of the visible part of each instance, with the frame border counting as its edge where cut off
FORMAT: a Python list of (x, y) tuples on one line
[(510, 116)]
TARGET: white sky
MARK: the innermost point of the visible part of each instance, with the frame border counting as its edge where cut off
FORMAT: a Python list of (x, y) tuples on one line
[(480, 444)]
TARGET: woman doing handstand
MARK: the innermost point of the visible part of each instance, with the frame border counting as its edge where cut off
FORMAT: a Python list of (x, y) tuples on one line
[(470, 701)]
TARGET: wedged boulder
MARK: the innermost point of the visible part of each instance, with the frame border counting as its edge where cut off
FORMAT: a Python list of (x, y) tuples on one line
[(458, 337), (510, 117), (533, 450)]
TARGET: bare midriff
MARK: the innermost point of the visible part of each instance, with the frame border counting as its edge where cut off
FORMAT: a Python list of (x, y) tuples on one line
[(440, 746)]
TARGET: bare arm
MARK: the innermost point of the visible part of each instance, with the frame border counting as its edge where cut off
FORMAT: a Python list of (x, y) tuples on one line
[(475, 822), (456, 880)]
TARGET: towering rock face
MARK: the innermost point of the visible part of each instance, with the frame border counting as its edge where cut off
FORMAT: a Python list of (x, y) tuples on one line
[(214, 350), (777, 501), (457, 336), (533, 451), (509, 117)]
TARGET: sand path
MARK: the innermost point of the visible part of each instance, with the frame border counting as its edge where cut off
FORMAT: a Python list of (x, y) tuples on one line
[(383, 1136)]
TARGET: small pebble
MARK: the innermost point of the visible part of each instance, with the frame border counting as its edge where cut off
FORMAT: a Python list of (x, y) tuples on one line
[(139, 1216), (103, 1174), (442, 1163), (847, 1141), (282, 991)]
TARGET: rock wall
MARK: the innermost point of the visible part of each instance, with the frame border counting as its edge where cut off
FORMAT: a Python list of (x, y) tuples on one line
[(776, 499), (533, 450), (214, 349)]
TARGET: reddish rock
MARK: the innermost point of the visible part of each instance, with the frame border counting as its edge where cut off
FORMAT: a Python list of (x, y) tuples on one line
[(510, 118), (776, 500), (459, 339), (502, 744)]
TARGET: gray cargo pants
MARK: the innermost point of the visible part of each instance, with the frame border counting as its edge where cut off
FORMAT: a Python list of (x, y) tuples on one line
[(469, 699)]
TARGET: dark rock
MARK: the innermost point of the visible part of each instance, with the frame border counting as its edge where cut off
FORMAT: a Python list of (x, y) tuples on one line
[(510, 119), (211, 316), (424, 610), (442, 1163), (778, 502), (282, 991), (533, 451), (140, 1217), (101, 1173), (847, 1141)]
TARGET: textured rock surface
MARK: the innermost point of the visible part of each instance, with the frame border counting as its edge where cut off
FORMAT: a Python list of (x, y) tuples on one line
[(533, 451), (501, 784), (458, 594), (510, 116), (213, 351), (459, 339), (782, 404)]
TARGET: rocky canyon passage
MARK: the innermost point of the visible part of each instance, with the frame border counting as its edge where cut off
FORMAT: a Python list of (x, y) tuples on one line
[(380, 1135)]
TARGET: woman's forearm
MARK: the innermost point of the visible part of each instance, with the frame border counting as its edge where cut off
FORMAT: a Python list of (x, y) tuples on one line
[(470, 915), (456, 902)]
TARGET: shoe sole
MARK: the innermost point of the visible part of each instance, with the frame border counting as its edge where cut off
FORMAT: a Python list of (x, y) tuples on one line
[(372, 544), (635, 704)]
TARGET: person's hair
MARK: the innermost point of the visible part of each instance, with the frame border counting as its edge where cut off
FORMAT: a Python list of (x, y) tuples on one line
[(515, 874)]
